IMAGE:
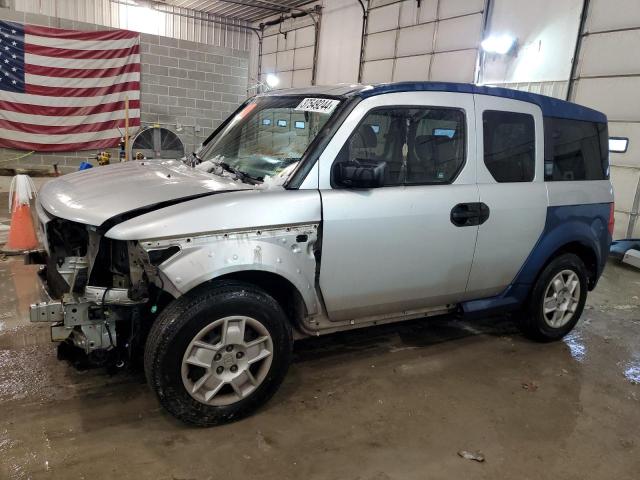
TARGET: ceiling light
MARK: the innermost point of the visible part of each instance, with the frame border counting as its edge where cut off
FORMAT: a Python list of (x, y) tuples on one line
[(272, 80), (499, 44)]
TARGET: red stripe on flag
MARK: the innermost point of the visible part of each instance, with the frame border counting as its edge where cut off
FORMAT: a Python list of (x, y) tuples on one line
[(68, 129), (64, 147), (66, 111), (80, 54), (81, 72), (76, 35), (80, 92)]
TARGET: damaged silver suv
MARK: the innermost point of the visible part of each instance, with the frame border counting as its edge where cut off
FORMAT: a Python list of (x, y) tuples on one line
[(324, 209)]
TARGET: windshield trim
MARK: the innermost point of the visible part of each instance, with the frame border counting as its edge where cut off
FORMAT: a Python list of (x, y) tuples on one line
[(319, 143)]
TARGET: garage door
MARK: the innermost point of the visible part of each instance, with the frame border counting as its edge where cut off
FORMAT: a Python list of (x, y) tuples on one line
[(425, 40), (608, 79), (288, 51)]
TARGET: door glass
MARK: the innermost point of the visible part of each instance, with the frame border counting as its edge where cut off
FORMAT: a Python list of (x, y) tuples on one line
[(509, 145), (419, 145)]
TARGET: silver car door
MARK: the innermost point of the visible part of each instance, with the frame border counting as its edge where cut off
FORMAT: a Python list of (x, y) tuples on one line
[(510, 133), (397, 248)]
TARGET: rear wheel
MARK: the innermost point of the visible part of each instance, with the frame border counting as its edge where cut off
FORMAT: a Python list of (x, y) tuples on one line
[(217, 354), (557, 299)]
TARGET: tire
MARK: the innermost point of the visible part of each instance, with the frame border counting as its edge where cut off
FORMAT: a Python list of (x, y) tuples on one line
[(545, 325), (224, 395)]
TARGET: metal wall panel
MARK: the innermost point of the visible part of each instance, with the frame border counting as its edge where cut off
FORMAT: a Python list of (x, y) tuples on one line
[(305, 37), (618, 97), (456, 66), (411, 68), (411, 14), (625, 181), (608, 79), (303, 59), (270, 44), (379, 71), (454, 8), (380, 45), (284, 60), (613, 14), (415, 40), (426, 40), (459, 33), (301, 78), (608, 54), (383, 18)]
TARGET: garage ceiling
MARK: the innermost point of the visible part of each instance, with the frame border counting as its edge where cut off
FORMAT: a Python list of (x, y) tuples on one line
[(247, 10)]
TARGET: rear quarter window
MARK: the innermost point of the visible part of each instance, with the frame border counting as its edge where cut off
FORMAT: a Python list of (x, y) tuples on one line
[(575, 150)]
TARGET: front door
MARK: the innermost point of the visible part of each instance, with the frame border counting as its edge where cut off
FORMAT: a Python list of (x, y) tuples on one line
[(409, 244)]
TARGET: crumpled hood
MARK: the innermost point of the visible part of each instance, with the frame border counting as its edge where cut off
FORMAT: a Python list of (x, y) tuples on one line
[(95, 195)]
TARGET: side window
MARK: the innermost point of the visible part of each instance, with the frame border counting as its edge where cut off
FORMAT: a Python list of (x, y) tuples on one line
[(418, 145), (574, 150), (509, 145)]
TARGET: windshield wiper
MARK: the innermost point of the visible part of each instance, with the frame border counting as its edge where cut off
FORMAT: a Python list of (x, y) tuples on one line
[(245, 177), (193, 159)]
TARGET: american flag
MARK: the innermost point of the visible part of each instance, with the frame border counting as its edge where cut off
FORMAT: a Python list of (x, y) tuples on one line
[(65, 90)]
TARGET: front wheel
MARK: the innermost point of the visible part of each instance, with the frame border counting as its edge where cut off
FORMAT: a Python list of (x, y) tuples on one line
[(217, 354), (557, 299)]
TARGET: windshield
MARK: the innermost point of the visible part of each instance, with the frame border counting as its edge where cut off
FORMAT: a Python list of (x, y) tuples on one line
[(270, 135)]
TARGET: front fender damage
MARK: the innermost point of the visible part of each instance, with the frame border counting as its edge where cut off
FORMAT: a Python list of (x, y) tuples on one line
[(287, 251)]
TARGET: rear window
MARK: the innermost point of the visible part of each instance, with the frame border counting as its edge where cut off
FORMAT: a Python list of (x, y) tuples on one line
[(509, 145), (575, 150)]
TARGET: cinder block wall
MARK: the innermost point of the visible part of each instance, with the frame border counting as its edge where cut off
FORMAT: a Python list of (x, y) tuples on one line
[(186, 83)]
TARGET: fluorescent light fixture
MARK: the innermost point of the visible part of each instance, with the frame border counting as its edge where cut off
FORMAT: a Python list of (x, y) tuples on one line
[(282, 123), (299, 124), (618, 144), (499, 44), (272, 80)]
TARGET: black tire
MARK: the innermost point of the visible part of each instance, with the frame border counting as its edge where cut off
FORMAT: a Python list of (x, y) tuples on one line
[(532, 321), (181, 321)]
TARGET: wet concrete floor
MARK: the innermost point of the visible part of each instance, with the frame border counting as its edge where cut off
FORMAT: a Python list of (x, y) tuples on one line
[(393, 402)]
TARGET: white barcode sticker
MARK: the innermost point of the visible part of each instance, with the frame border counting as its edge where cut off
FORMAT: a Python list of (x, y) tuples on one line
[(319, 105)]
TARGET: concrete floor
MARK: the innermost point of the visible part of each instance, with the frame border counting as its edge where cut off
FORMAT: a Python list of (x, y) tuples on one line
[(393, 402)]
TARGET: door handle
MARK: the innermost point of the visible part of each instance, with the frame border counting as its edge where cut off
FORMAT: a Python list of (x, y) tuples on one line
[(469, 214)]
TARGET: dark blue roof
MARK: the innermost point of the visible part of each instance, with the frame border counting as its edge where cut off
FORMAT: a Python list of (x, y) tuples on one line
[(551, 107)]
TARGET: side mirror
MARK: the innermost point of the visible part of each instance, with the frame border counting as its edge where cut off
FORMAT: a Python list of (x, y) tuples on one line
[(359, 174)]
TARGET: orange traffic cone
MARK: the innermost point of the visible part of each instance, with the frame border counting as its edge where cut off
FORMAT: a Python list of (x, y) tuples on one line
[(22, 234)]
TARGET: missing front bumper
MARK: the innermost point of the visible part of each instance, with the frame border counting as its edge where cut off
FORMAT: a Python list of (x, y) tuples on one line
[(87, 321)]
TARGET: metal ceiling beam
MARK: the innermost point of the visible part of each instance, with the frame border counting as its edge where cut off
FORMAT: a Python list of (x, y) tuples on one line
[(262, 5), (247, 10), (162, 7)]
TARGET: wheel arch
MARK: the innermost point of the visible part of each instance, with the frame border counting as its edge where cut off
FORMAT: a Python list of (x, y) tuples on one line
[(570, 237), (278, 286), (585, 253)]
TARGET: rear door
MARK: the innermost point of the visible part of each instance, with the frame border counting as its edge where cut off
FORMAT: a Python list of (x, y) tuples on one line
[(511, 183), (397, 247)]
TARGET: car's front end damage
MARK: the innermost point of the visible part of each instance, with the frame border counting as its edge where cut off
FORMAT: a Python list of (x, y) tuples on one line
[(108, 276), (125, 241), (98, 289)]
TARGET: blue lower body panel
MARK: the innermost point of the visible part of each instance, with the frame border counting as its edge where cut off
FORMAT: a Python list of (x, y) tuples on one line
[(583, 226)]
